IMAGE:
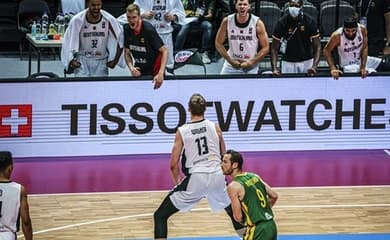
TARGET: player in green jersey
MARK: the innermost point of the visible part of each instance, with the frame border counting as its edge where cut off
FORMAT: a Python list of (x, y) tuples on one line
[(252, 199)]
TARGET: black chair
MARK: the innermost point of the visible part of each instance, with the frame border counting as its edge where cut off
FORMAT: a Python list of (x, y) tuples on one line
[(311, 11), (9, 32), (188, 56), (270, 15), (266, 3), (28, 12), (43, 75), (316, 3), (332, 2), (328, 18), (115, 7)]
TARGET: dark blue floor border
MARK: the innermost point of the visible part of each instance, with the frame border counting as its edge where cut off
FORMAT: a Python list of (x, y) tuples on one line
[(362, 236)]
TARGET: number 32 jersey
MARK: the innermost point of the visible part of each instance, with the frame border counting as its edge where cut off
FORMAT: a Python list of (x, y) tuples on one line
[(201, 147)]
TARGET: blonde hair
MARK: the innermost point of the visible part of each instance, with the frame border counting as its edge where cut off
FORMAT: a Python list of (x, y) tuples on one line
[(197, 104), (132, 8)]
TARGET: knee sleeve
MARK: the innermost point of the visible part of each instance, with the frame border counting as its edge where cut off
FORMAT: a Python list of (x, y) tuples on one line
[(161, 216)]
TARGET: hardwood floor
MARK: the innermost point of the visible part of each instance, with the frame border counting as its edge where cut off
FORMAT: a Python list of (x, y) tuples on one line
[(129, 215)]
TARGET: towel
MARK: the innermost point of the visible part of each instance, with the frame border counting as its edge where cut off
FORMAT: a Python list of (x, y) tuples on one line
[(70, 42)]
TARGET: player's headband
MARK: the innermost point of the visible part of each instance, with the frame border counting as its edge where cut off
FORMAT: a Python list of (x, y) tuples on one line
[(350, 23)]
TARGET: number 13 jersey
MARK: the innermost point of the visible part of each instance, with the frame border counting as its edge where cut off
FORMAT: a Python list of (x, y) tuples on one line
[(201, 147)]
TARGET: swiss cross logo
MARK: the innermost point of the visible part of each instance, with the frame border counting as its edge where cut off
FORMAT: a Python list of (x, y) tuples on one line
[(15, 120)]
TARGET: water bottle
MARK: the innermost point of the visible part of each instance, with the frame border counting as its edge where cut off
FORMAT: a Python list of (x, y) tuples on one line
[(38, 34), (66, 20), (363, 21), (52, 29), (60, 25), (34, 29), (45, 18), (45, 23), (57, 23), (44, 31)]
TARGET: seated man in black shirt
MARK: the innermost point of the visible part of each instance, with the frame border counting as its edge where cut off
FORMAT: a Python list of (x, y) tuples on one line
[(296, 35)]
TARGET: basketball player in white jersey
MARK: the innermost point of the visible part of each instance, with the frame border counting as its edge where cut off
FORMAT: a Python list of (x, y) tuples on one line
[(161, 13), (93, 36), (352, 47), (246, 34), (13, 203), (202, 143)]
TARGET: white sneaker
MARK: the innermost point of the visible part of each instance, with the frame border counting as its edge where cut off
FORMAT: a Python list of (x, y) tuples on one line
[(205, 58)]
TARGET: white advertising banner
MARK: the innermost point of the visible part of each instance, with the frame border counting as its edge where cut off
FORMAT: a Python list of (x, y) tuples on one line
[(128, 117)]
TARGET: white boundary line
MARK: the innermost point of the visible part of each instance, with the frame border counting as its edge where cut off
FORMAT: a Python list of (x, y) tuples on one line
[(165, 191)]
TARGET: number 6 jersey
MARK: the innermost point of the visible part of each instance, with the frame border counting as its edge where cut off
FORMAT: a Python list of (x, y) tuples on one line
[(243, 41)]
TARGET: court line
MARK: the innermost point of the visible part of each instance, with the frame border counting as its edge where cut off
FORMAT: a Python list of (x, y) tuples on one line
[(200, 210), (165, 191)]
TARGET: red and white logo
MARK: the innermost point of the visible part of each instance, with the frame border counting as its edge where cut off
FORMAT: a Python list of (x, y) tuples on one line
[(15, 120)]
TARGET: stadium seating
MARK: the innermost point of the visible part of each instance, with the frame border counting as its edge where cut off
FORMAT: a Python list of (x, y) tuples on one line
[(269, 13), (328, 18), (29, 11), (8, 23)]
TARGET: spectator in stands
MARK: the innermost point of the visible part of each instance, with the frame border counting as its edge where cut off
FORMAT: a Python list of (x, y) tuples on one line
[(375, 14), (72, 6), (297, 37), (161, 14), (145, 52), (199, 14), (246, 34), (92, 43), (351, 43)]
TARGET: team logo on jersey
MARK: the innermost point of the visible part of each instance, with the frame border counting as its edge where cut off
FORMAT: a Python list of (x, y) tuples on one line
[(142, 40), (1, 192), (302, 28), (15, 120), (250, 30), (241, 31), (104, 24)]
